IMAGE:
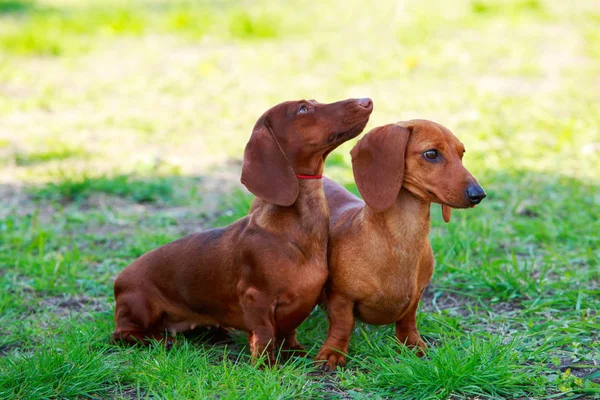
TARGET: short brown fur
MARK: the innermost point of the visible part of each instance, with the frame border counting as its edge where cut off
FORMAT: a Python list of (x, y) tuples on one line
[(264, 273), (380, 258)]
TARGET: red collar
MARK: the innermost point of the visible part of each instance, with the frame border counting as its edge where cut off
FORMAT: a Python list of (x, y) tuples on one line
[(308, 176)]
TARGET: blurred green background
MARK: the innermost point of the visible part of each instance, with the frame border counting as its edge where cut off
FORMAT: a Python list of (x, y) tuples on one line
[(122, 126), (95, 86)]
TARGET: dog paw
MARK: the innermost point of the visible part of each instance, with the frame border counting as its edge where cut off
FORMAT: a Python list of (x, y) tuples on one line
[(329, 359), (169, 343), (413, 340), (420, 347)]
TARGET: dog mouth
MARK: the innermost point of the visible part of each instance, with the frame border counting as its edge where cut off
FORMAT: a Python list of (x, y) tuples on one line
[(439, 200), (347, 135)]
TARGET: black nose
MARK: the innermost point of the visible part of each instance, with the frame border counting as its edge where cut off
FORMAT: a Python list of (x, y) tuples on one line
[(475, 194), (365, 102)]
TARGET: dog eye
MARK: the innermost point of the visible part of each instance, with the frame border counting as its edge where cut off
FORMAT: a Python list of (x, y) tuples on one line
[(431, 154), (303, 109)]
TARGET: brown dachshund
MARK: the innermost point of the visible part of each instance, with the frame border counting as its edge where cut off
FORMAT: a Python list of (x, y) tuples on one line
[(380, 259), (263, 273)]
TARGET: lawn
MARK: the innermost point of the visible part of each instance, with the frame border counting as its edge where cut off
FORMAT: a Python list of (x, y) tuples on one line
[(122, 126)]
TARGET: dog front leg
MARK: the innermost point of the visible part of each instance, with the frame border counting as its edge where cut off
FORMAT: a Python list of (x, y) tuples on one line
[(341, 323), (406, 329), (259, 318)]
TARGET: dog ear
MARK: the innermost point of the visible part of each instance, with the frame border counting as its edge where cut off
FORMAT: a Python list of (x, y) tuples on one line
[(266, 171), (378, 165)]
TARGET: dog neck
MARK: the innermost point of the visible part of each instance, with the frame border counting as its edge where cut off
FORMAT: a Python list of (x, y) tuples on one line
[(310, 206), (407, 220), (311, 202)]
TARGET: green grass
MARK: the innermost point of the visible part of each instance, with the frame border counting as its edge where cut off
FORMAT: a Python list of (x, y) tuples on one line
[(122, 125), (57, 29), (50, 154), (137, 189), (482, 366)]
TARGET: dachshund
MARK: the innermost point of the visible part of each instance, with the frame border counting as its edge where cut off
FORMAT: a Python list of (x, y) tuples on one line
[(262, 274), (380, 257)]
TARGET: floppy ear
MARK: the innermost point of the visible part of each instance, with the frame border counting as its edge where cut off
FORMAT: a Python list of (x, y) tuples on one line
[(266, 171), (378, 165)]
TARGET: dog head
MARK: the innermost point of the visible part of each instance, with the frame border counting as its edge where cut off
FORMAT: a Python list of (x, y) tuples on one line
[(294, 138), (423, 157)]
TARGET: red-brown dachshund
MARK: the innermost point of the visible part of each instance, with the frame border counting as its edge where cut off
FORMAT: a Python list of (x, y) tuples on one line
[(380, 258), (264, 273)]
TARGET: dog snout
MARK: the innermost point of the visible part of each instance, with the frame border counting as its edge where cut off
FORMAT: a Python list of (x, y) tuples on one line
[(365, 102), (475, 193)]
